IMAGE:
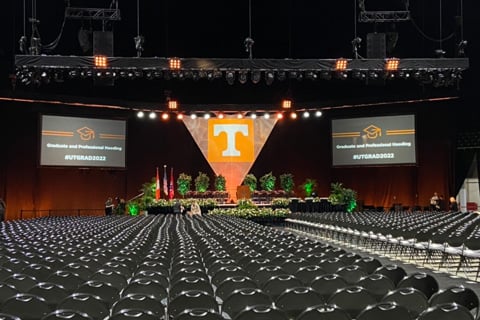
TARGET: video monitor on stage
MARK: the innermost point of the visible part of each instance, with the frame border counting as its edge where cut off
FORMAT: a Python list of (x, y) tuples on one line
[(374, 141), (82, 142)]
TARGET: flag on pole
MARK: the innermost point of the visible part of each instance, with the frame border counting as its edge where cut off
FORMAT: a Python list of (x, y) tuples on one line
[(171, 190), (165, 181), (157, 187)]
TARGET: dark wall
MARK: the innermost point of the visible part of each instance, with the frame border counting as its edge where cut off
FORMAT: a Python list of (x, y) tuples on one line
[(300, 147)]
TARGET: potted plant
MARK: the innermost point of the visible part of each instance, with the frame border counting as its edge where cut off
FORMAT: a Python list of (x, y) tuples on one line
[(201, 182), (309, 186), (344, 197), (251, 181), (286, 182), (184, 182), (220, 183), (267, 181)]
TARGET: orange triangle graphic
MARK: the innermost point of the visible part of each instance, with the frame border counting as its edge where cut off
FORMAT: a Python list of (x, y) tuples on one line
[(230, 145)]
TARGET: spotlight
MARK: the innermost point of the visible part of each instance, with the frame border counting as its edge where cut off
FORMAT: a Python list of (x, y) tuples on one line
[(318, 113), (256, 77), (239, 116), (279, 115), (165, 116), (392, 64), (311, 75), (286, 104), (206, 116), (140, 114), (360, 75), (281, 75), (269, 77), (253, 115), (242, 77), (306, 114), (100, 62), (179, 116), (440, 53), (355, 46), (152, 115), (293, 115), (341, 64), (461, 48), (325, 75), (175, 63), (193, 116), (172, 105), (139, 40), (230, 76), (266, 115)]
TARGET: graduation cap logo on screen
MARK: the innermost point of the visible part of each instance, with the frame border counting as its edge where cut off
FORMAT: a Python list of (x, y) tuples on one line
[(86, 133), (373, 132)]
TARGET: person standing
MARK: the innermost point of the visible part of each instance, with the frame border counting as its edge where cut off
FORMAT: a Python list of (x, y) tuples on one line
[(434, 202), (109, 206), (453, 205), (3, 208)]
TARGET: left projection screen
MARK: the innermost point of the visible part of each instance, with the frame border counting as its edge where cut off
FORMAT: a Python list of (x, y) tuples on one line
[(82, 142)]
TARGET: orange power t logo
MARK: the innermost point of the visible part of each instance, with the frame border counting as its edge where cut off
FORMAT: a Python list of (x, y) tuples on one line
[(230, 140)]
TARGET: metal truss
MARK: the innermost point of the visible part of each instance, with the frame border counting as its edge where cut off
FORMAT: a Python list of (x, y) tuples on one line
[(383, 16), (92, 14)]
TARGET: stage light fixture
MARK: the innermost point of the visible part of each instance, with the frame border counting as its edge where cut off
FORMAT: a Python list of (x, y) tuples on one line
[(239, 116), (172, 104), (175, 64), (279, 115), (318, 113), (293, 115), (253, 115), (286, 104), (269, 77), (230, 76), (359, 75), (311, 75), (392, 64), (165, 116), (266, 115), (206, 116), (152, 115), (341, 64), (281, 75), (193, 116), (100, 62), (306, 114), (220, 115), (256, 76), (179, 116), (325, 75), (242, 77), (140, 114)]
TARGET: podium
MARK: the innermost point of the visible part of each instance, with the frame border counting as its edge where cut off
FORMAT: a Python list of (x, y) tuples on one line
[(243, 192)]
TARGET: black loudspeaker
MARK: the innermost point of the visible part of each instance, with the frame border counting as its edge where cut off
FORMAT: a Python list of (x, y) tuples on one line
[(103, 43), (103, 46), (376, 46)]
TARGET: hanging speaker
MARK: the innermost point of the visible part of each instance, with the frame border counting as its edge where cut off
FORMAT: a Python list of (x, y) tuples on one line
[(376, 46), (103, 46)]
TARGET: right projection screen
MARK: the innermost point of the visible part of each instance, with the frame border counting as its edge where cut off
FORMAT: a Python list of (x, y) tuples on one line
[(372, 141)]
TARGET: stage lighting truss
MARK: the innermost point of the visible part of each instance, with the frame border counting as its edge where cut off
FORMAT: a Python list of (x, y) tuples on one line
[(442, 72), (279, 114)]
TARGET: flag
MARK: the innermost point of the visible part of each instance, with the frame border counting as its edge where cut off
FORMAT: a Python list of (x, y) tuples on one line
[(171, 190), (165, 181), (157, 187)]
